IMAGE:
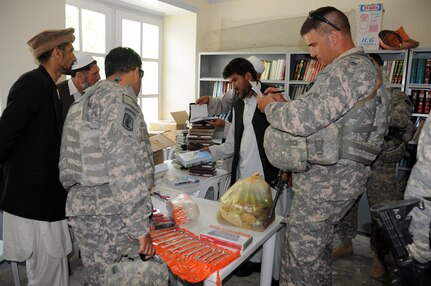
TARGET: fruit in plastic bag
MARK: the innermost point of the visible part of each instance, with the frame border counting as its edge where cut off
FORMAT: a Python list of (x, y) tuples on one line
[(182, 209), (248, 203)]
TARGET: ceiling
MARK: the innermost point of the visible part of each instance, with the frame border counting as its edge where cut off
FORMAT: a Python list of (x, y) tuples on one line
[(166, 7), (160, 7)]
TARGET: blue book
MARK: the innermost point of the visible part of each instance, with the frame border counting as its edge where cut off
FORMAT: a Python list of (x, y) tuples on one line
[(420, 73), (414, 71)]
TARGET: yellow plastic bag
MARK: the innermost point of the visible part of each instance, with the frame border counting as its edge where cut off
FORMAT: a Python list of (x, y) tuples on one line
[(248, 203)]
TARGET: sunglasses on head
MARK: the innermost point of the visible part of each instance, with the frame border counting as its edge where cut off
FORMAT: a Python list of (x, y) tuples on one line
[(315, 16)]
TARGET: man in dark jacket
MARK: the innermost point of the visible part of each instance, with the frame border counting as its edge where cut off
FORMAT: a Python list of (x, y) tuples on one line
[(31, 195)]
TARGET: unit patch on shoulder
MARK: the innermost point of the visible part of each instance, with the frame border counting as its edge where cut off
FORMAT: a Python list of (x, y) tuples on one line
[(128, 119)]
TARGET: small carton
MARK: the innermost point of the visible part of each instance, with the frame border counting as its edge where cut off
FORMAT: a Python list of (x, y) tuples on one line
[(158, 143), (227, 237), (169, 127)]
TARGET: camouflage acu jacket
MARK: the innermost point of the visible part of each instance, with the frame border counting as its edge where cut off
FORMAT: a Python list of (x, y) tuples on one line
[(124, 145)]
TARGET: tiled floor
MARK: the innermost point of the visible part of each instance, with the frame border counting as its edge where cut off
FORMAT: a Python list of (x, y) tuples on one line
[(351, 270)]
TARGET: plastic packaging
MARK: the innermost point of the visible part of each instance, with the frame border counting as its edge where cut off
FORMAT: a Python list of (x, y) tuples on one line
[(248, 204), (182, 209)]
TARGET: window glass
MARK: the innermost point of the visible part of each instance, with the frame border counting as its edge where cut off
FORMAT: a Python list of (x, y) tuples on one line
[(101, 65), (150, 81), (72, 21), (93, 32), (130, 30), (150, 42), (149, 108)]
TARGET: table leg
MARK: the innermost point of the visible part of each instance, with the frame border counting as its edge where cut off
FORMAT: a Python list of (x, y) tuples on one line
[(267, 261)]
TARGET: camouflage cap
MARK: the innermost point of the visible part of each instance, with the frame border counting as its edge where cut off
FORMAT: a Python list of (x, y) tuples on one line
[(49, 39)]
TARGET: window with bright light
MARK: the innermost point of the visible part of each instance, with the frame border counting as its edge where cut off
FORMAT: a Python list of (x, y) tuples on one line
[(97, 31), (147, 46)]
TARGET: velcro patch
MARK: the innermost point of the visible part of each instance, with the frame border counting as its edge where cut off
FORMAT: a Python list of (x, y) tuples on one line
[(128, 120)]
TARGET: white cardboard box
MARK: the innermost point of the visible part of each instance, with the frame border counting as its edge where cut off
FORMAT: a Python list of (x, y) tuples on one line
[(226, 237)]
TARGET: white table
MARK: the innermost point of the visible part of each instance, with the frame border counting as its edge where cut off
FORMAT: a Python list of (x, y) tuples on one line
[(193, 189), (208, 210)]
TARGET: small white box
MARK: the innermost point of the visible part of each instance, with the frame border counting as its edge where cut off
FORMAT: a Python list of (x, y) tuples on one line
[(227, 237)]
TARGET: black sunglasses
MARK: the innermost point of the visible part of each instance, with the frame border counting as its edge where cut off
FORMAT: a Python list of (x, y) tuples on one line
[(141, 73), (314, 15)]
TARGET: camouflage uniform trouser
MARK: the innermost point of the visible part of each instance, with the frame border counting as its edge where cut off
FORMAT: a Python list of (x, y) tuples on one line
[(306, 256), (382, 186), (100, 239)]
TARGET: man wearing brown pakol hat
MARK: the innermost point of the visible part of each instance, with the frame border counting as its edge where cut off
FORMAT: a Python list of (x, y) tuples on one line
[(31, 195)]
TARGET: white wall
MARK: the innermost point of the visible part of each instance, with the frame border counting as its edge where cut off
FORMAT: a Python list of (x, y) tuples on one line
[(20, 20), (413, 14), (179, 63)]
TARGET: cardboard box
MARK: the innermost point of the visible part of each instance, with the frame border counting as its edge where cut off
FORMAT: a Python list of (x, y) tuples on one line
[(158, 143), (170, 127)]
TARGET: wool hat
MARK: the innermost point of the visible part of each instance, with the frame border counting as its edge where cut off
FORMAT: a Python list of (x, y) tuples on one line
[(83, 59), (396, 40), (257, 64), (49, 39)]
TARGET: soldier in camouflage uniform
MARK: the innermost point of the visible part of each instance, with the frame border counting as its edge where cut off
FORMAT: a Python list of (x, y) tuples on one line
[(419, 186), (382, 185), (324, 193), (107, 167)]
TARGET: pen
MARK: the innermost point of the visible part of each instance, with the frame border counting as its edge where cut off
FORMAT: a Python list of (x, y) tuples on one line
[(278, 91)]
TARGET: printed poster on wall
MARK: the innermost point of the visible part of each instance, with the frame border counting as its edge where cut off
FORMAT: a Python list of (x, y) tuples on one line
[(369, 25)]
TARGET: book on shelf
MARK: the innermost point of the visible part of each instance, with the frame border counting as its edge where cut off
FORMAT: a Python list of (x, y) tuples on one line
[(420, 71), (427, 101), (191, 158), (273, 72), (414, 97), (413, 71), (427, 76), (420, 105), (226, 237)]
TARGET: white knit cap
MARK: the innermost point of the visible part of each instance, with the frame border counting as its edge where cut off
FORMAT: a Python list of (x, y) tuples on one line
[(82, 59), (257, 63)]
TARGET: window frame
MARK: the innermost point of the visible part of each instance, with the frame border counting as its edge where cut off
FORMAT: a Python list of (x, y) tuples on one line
[(113, 21)]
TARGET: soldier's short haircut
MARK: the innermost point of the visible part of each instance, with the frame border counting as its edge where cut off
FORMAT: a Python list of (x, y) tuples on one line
[(326, 17), (121, 60), (239, 66)]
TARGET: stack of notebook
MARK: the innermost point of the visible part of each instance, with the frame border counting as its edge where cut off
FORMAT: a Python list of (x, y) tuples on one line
[(200, 135), (205, 169)]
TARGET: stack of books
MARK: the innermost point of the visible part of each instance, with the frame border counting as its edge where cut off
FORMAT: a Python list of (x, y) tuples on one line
[(205, 170), (194, 158), (180, 140), (200, 135)]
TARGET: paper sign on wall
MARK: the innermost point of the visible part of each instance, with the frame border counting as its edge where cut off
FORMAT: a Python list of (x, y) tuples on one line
[(369, 25)]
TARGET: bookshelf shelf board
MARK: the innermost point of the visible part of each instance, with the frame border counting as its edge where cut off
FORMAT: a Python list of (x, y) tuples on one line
[(419, 86), (212, 79), (299, 82), (394, 85), (274, 81), (419, 115)]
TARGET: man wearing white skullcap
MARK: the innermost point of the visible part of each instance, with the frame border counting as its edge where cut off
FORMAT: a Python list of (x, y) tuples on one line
[(85, 73)]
